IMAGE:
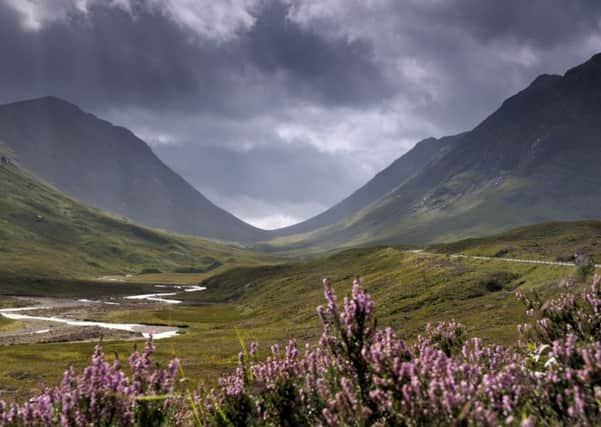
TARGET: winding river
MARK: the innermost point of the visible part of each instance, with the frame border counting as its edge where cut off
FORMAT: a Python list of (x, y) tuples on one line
[(157, 332)]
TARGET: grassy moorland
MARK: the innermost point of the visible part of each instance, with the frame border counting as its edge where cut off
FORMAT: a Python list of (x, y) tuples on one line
[(358, 373), (557, 241), (273, 303), (410, 289), (53, 246), (47, 235)]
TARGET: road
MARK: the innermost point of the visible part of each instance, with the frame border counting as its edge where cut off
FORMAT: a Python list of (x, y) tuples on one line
[(488, 258)]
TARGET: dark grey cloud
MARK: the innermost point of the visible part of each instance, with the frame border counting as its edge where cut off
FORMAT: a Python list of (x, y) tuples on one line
[(110, 56), (100, 59), (542, 23), (279, 108), (470, 54), (335, 71), (290, 173)]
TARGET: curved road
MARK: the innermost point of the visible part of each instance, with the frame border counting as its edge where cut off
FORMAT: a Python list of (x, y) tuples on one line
[(488, 258)]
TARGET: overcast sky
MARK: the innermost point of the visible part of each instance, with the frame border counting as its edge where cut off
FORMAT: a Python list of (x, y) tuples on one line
[(277, 109)]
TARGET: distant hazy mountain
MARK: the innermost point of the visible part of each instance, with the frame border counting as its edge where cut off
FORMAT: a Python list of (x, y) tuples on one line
[(109, 167), (536, 159)]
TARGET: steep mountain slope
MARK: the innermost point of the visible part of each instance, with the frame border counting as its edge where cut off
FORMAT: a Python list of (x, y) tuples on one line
[(46, 234), (109, 167), (536, 159), (399, 172)]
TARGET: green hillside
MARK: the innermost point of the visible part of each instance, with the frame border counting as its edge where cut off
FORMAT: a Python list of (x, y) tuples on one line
[(558, 241), (46, 234)]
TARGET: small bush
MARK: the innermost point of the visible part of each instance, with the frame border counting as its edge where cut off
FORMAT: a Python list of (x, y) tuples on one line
[(585, 267)]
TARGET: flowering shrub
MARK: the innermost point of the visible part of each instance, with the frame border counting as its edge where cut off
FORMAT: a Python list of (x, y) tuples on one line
[(103, 395), (360, 375), (564, 315)]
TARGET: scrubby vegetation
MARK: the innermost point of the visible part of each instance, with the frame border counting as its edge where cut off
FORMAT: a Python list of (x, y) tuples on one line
[(554, 241), (47, 235), (358, 374)]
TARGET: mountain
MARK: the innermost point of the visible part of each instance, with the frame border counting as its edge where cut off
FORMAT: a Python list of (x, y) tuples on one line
[(110, 168), (47, 234), (536, 159), (396, 174)]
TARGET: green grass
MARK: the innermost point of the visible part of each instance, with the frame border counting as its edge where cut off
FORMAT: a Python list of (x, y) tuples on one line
[(558, 241), (7, 324), (411, 289), (70, 288), (274, 303), (466, 206), (46, 234), (64, 252)]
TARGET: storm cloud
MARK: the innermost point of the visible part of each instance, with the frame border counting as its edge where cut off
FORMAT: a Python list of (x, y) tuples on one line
[(277, 109)]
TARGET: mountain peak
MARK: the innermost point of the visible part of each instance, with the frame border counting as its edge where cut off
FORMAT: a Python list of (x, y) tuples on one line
[(593, 62), (50, 99), (544, 80), (49, 102), (109, 167), (585, 76)]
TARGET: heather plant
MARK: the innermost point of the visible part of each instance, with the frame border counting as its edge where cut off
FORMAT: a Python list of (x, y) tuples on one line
[(565, 354), (103, 395), (359, 375), (566, 314)]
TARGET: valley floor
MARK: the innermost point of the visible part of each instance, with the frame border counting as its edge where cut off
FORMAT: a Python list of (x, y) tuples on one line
[(264, 303)]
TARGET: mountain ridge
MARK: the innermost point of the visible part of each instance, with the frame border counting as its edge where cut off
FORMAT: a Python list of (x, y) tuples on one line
[(46, 234), (109, 167), (522, 164), (520, 160)]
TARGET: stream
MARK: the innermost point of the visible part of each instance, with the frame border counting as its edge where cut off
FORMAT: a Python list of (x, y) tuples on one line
[(157, 332)]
